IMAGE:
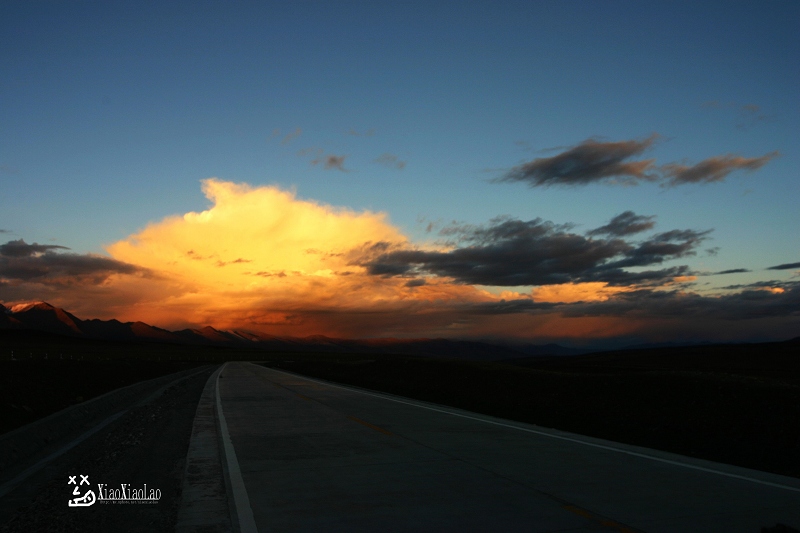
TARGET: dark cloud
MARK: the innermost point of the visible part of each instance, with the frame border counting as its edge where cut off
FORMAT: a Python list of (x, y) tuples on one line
[(712, 169), (731, 271), (785, 266), (751, 303), (768, 284), (627, 223), (391, 160), (611, 162), (330, 162), (589, 162), (292, 136), (20, 248), (748, 114), (505, 307), (4, 231), (669, 245), (40, 263), (510, 252)]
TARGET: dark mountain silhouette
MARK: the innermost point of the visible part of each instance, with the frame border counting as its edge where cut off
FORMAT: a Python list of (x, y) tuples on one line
[(41, 316)]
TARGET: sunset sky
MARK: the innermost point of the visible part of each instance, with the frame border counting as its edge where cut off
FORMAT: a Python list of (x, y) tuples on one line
[(574, 172)]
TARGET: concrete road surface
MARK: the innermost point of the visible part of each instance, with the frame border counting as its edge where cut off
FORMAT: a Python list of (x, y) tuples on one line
[(313, 456)]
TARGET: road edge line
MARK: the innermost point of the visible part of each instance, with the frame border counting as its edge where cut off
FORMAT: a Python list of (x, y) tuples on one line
[(241, 502)]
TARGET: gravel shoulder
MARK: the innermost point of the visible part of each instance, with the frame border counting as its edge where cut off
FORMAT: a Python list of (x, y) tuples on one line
[(147, 445)]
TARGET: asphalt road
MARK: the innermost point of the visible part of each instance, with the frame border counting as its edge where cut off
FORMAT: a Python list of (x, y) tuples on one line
[(320, 457)]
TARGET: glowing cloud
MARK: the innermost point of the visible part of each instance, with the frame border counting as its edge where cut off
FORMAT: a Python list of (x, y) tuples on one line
[(576, 292), (261, 257)]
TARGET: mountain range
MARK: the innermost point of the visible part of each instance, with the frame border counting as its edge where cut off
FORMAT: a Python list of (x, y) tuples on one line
[(41, 316)]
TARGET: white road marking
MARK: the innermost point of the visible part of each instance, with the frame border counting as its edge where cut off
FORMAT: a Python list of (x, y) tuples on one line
[(247, 524), (545, 434)]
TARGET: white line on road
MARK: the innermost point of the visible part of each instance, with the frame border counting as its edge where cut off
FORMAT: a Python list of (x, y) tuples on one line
[(545, 434), (247, 524)]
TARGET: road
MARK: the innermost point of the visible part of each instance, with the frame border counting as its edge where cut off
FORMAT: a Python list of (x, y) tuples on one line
[(312, 456)]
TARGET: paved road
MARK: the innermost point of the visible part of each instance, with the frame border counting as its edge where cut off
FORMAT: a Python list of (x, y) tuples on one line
[(318, 457)]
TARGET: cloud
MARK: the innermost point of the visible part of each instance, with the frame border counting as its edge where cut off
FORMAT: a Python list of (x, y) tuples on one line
[(296, 275), (310, 151), (712, 169), (627, 223), (731, 271), (368, 133), (748, 114), (41, 263), (511, 252), (785, 266), (292, 136), (391, 161), (592, 291), (589, 162), (755, 302), (20, 248), (770, 285), (331, 162), (262, 259), (610, 162), (668, 245), (5, 230)]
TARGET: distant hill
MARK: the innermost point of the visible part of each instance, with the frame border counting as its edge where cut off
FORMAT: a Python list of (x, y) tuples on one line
[(42, 316)]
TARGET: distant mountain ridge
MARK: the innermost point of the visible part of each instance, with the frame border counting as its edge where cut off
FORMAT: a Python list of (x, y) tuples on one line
[(42, 316)]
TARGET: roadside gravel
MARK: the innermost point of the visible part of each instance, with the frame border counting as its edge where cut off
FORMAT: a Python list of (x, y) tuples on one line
[(147, 445)]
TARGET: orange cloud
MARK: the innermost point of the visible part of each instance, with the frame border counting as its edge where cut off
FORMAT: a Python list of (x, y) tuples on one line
[(259, 257), (594, 291)]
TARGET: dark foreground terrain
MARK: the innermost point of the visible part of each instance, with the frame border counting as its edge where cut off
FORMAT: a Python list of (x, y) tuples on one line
[(735, 404), (51, 372), (147, 445)]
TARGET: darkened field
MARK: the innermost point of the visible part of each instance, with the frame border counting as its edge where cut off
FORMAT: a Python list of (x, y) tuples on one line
[(733, 404), (30, 390), (51, 372)]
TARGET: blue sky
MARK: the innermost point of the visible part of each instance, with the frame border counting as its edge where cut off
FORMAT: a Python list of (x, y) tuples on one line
[(112, 113)]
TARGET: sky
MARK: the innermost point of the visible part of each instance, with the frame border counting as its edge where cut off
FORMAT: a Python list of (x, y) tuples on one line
[(575, 172)]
